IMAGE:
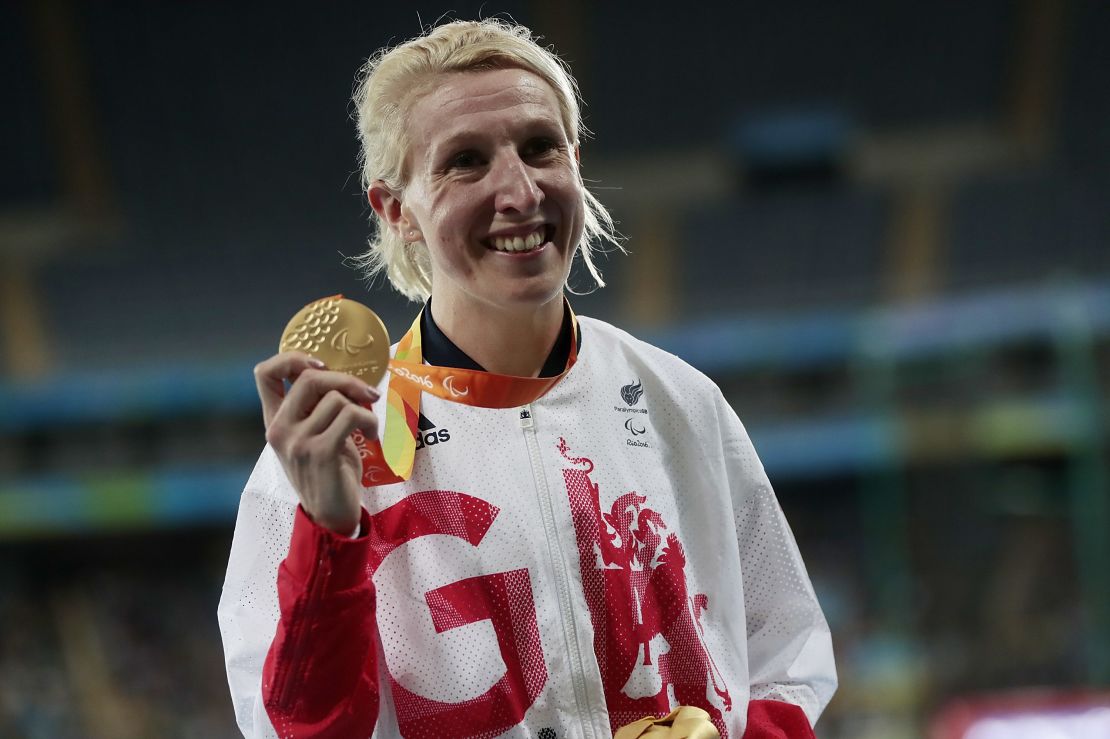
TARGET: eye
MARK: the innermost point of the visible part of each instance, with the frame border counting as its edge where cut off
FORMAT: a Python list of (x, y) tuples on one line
[(464, 160), (539, 146)]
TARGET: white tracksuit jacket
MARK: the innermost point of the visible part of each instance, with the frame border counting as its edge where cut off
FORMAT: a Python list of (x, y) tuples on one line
[(612, 550)]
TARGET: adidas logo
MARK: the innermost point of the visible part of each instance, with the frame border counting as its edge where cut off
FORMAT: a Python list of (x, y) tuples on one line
[(428, 435)]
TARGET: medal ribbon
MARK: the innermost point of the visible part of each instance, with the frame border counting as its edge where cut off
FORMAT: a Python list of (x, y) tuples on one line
[(391, 459)]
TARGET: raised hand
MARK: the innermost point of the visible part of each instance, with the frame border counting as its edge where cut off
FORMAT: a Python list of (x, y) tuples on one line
[(310, 429)]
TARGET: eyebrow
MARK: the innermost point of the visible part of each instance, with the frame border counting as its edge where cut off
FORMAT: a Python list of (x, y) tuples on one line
[(465, 138)]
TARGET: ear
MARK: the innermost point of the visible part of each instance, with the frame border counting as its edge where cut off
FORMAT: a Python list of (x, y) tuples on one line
[(577, 153), (387, 203)]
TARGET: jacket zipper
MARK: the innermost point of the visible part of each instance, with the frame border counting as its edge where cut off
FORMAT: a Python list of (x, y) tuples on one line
[(559, 567)]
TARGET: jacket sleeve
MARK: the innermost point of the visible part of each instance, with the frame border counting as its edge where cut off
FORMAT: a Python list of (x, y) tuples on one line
[(319, 630), (774, 719), (320, 678), (790, 656)]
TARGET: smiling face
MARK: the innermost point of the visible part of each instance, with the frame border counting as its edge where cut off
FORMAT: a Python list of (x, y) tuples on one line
[(493, 191)]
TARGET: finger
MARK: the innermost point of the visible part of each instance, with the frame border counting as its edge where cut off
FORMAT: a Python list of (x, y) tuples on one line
[(288, 434), (313, 384), (349, 418), (324, 413), (270, 376)]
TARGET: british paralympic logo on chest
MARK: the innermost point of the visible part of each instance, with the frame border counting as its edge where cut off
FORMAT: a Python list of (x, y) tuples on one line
[(631, 393)]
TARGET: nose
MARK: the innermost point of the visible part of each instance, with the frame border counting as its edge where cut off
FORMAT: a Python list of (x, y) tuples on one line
[(516, 187)]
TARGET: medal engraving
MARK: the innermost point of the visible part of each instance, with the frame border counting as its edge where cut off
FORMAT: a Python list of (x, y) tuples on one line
[(344, 334)]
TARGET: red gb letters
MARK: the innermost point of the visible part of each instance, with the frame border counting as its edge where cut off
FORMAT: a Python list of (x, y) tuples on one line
[(648, 637), (464, 602)]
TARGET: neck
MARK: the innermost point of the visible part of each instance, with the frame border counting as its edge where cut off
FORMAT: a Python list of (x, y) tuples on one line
[(503, 342)]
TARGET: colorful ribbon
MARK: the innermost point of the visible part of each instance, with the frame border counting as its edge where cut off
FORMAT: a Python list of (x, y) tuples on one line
[(391, 459)]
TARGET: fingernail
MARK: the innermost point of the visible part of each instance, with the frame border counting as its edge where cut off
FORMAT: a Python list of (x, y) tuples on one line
[(373, 393), (314, 362)]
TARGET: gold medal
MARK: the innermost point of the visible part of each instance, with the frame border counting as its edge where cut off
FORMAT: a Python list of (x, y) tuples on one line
[(343, 334)]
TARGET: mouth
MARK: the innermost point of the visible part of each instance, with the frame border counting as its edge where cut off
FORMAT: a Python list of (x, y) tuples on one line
[(522, 243)]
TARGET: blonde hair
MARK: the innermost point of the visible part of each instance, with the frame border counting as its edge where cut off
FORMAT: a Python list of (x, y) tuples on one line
[(386, 88)]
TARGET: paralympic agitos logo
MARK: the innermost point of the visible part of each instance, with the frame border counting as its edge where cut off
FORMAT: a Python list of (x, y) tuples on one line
[(635, 427)]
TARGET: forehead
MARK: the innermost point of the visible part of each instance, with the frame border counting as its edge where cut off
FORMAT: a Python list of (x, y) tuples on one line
[(460, 102)]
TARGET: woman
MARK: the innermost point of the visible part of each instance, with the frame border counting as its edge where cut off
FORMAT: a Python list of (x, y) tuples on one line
[(585, 536)]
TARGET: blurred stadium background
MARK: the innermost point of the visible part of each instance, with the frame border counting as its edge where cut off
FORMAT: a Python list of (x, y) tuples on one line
[(883, 228)]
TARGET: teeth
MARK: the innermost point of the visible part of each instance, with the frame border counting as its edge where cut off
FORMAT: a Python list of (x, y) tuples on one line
[(516, 243)]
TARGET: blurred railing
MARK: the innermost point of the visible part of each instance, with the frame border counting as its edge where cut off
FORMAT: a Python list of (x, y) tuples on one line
[(870, 429)]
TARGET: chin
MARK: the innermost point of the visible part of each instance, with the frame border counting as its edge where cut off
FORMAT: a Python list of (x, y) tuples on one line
[(520, 301), (535, 294)]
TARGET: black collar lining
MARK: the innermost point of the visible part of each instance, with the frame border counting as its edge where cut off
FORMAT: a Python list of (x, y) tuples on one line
[(439, 350)]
